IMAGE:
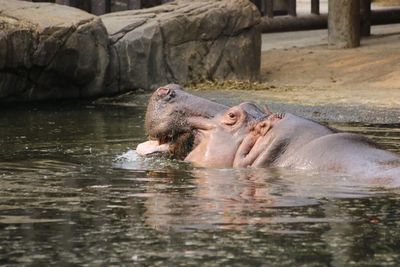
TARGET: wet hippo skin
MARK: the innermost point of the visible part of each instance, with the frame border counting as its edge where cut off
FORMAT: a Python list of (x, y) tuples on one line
[(209, 134)]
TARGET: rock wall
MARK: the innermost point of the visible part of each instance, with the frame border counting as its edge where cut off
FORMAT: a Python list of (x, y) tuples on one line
[(49, 51), (183, 41)]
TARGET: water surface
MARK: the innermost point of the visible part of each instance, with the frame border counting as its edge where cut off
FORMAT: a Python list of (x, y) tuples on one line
[(74, 193)]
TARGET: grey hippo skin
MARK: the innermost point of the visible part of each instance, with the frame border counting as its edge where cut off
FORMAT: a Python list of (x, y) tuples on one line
[(208, 134)]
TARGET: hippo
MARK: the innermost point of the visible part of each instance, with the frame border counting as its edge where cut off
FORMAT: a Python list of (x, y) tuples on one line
[(208, 134)]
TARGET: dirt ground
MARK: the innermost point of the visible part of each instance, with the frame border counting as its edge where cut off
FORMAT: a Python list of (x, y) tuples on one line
[(301, 68)]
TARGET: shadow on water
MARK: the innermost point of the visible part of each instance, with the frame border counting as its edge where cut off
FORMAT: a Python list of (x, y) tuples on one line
[(74, 193)]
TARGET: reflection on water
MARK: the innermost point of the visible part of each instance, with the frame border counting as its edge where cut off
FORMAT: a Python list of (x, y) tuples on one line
[(74, 192)]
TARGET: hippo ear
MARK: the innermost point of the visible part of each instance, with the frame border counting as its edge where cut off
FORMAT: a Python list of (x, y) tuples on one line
[(267, 110), (263, 127)]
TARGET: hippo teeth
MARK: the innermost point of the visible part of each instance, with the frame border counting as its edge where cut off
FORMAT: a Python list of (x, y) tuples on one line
[(150, 147), (176, 147)]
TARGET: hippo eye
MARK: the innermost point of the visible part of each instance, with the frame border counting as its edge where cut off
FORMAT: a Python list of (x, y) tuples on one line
[(230, 118)]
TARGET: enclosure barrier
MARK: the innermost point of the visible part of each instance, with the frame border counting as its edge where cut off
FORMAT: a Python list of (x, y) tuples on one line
[(272, 20), (348, 20)]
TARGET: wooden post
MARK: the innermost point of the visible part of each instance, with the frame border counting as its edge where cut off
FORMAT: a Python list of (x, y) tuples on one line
[(63, 2), (365, 17), (100, 7), (315, 7), (257, 3), (269, 8), (72, 3), (344, 23), (292, 8), (134, 4)]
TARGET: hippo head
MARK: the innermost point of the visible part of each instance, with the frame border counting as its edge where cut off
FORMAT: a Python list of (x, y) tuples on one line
[(167, 115), (218, 140)]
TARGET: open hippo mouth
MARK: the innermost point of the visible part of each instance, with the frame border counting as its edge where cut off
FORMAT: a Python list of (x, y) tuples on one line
[(166, 120)]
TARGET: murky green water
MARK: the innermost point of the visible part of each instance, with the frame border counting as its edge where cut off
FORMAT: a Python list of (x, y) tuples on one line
[(74, 193)]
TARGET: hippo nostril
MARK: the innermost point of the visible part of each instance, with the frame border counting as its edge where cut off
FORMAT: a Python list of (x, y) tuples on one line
[(163, 91)]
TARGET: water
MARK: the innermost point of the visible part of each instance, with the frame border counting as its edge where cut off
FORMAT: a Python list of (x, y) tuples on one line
[(74, 193)]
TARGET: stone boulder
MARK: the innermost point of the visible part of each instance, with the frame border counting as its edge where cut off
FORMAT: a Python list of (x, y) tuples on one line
[(183, 41), (50, 51)]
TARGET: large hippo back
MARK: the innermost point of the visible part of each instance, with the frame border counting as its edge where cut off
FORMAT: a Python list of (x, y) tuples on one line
[(304, 144)]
